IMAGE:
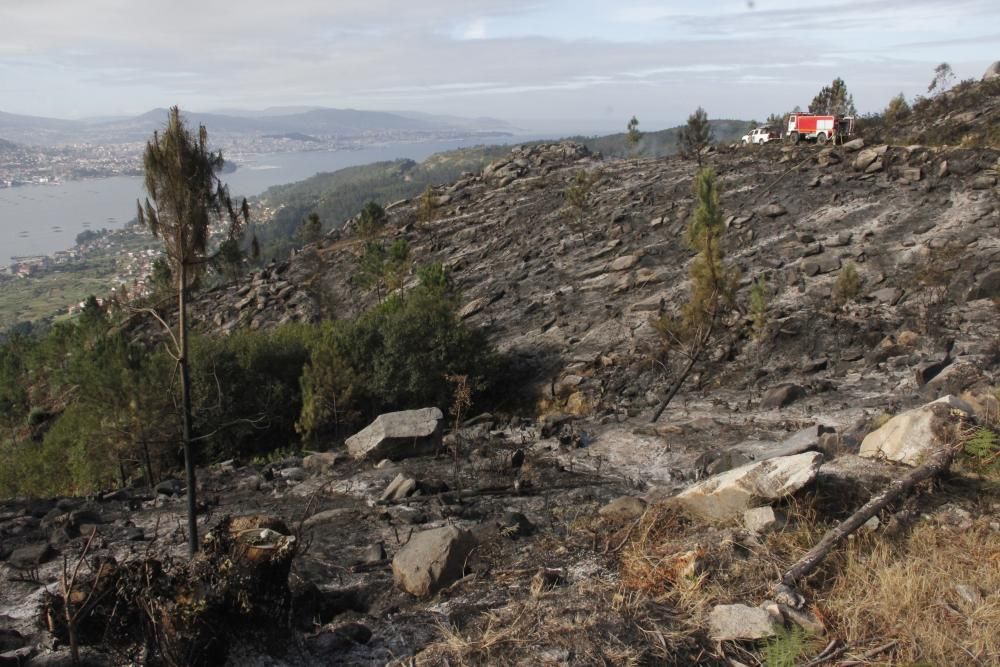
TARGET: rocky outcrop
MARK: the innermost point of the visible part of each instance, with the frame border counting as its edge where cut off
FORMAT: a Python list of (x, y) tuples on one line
[(396, 435)]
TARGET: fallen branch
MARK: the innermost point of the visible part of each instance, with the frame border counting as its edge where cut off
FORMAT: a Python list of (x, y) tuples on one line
[(508, 490), (900, 488)]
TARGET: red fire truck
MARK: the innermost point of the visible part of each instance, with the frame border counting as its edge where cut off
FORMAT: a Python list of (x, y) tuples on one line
[(820, 127)]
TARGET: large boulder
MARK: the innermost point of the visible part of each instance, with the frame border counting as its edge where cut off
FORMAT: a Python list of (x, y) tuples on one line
[(910, 437), (992, 72), (396, 435), (432, 559), (730, 494)]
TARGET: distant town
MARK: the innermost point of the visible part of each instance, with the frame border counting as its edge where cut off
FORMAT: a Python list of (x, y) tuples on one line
[(22, 164)]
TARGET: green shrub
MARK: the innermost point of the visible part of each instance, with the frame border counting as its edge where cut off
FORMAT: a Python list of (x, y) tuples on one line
[(393, 357), (246, 390)]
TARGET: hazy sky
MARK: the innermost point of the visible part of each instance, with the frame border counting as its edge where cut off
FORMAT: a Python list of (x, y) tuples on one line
[(551, 63)]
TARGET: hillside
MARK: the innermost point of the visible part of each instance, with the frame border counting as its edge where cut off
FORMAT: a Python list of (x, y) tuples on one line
[(561, 525)]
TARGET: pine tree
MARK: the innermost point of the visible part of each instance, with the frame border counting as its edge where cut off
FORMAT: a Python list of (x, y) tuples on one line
[(897, 110), (692, 331), (634, 135), (695, 135), (834, 100), (311, 229), (181, 177)]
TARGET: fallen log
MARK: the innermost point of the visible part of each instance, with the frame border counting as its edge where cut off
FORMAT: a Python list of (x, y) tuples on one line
[(938, 464)]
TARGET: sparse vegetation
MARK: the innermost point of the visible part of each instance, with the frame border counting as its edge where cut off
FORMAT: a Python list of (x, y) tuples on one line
[(760, 296), (696, 135), (944, 79), (848, 285)]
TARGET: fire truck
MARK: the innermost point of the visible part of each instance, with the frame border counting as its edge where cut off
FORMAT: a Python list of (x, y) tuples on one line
[(819, 127)]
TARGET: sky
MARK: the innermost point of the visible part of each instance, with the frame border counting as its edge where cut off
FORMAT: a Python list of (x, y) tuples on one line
[(585, 65)]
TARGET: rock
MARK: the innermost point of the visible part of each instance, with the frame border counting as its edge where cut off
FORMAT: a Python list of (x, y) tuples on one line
[(820, 264), (29, 557), (781, 395), (887, 295), (473, 307), (319, 463), (912, 174), (929, 370), (728, 495), (984, 182), (624, 263), (875, 167), (409, 515), (867, 157), (762, 519), (396, 435), (170, 487), (910, 437), (329, 516), (373, 553), (293, 474), (11, 640), (854, 145), (515, 524), (432, 559), (625, 508), (400, 487), (714, 462), (738, 621), (567, 385), (992, 72), (773, 211), (987, 287)]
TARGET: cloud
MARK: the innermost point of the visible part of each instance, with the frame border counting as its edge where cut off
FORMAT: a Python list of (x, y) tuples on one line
[(518, 58)]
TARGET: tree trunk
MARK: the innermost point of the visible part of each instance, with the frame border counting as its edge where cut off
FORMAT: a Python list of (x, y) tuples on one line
[(938, 464), (182, 360), (675, 387)]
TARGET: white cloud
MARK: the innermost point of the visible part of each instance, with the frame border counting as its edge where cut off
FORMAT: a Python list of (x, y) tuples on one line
[(437, 55)]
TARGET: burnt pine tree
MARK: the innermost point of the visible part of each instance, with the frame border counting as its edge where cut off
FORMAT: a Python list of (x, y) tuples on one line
[(694, 136), (185, 197), (689, 333)]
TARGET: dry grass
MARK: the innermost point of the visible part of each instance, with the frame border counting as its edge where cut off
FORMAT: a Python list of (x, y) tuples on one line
[(908, 591), (586, 623)]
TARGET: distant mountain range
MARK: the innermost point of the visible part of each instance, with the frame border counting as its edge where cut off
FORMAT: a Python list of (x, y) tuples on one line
[(310, 121)]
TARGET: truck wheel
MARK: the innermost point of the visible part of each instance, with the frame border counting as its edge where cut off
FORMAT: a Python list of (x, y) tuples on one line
[(794, 137), (821, 138)]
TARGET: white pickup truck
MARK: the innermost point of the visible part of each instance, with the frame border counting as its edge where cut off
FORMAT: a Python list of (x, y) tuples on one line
[(760, 135)]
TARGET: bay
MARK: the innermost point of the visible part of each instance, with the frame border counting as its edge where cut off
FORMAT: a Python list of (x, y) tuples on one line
[(43, 219)]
